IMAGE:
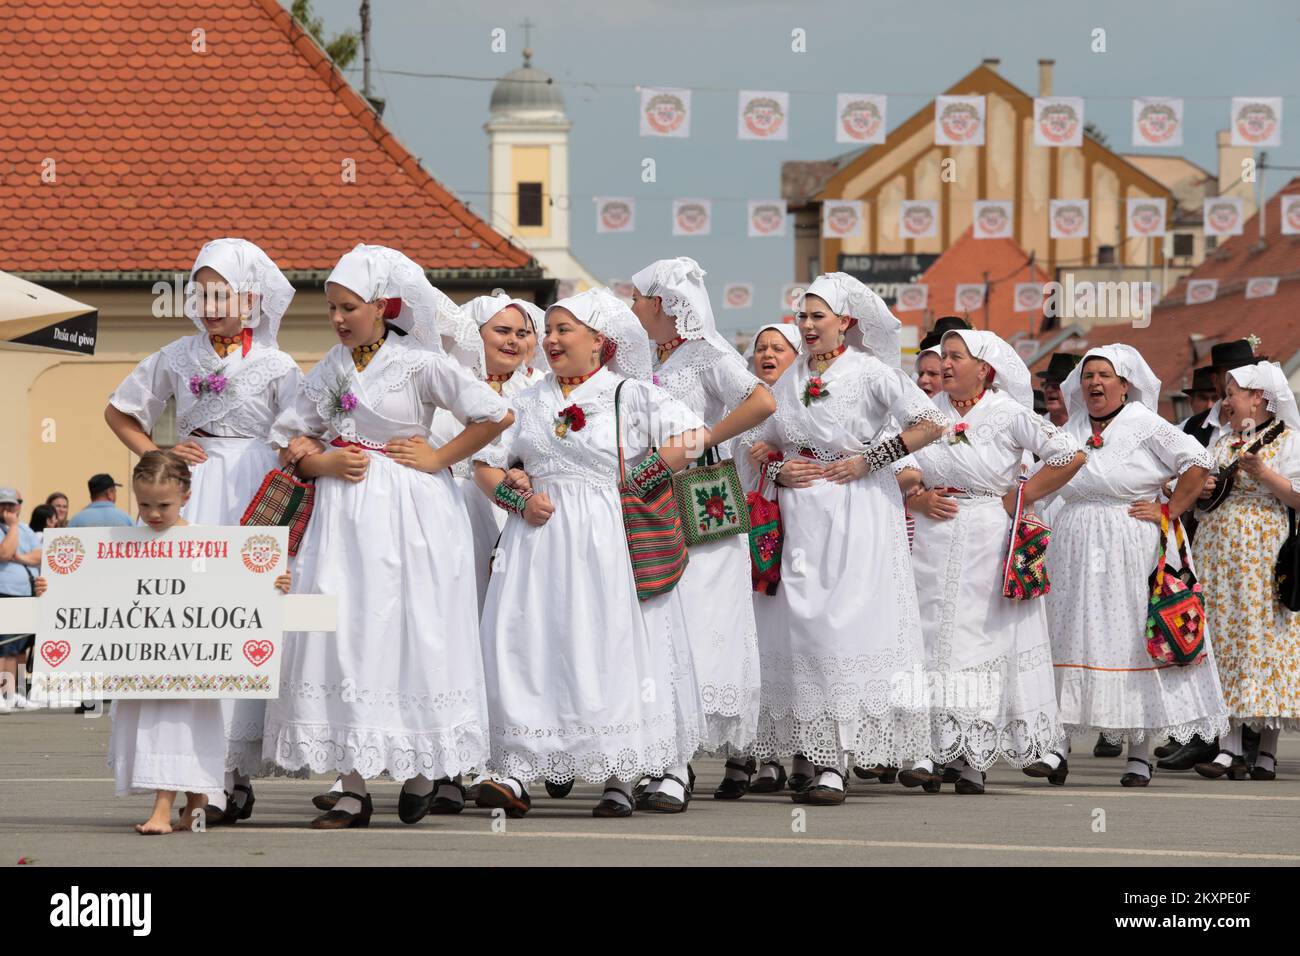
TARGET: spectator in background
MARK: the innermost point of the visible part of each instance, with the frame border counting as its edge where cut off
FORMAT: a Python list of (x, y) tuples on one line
[(43, 517), (102, 512), (1058, 369), (20, 557), (59, 502)]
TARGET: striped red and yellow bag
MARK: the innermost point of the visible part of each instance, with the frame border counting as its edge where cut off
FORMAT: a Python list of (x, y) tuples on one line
[(652, 524)]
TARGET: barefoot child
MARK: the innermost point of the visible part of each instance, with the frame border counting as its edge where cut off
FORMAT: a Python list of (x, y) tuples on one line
[(166, 746)]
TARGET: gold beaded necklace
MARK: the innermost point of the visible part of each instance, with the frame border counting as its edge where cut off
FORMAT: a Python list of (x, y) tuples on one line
[(223, 345), (569, 382), (822, 361), (363, 355)]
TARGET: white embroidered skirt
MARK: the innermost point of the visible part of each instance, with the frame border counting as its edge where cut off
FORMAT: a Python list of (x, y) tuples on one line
[(167, 745)]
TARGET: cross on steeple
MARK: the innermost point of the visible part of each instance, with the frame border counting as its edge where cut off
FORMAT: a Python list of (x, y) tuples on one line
[(528, 51)]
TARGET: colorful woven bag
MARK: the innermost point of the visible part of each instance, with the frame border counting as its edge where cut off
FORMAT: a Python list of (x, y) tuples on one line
[(282, 501), (709, 500), (655, 542), (764, 539), (1176, 612), (1024, 573)]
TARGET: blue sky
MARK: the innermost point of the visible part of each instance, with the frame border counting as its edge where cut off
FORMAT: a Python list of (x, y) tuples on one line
[(1203, 51)]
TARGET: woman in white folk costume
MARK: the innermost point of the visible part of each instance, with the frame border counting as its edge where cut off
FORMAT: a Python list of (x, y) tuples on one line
[(1105, 544), (583, 679), (398, 688), (845, 628), (988, 657), (772, 350), (701, 369), (229, 381), (166, 747), (1256, 637)]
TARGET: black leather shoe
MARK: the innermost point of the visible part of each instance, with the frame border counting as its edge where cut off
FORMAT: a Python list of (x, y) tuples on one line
[(1105, 748), (951, 775), (1137, 779), (1055, 776), (916, 777), (412, 807), (1167, 749), (246, 811), (1259, 773), (558, 790), (660, 802), (878, 772), (731, 788), (445, 805), (500, 796), (612, 807), (1189, 755), (1236, 770), (341, 819), (770, 784), (968, 787)]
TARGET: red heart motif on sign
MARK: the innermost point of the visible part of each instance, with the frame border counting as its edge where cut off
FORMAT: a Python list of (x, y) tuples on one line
[(258, 652), (55, 652)]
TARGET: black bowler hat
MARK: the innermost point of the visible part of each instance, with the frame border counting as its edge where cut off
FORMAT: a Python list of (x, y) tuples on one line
[(1202, 381), (1059, 367), (99, 484), (1226, 356), (948, 323)]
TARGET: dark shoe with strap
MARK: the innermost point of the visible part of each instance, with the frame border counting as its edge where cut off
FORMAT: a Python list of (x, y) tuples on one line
[(212, 817), (558, 791), (1236, 770), (916, 777), (951, 775), (1137, 779), (1167, 749), (500, 796), (412, 807), (878, 772), (769, 784), (1104, 748), (326, 801), (611, 806), (660, 802), (820, 795), (1189, 755), (246, 811), (446, 805), (970, 787), (731, 788), (472, 792), (337, 819), (1259, 773), (1055, 775)]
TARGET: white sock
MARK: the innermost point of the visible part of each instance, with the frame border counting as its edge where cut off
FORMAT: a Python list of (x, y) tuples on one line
[(419, 785), (829, 778), (971, 774), (337, 786), (516, 787), (353, 783), (672, 788), (927, 765), (1052, 759), (803, 766), (769, 771), (1137, 752), (620, 790), (1230, 742)]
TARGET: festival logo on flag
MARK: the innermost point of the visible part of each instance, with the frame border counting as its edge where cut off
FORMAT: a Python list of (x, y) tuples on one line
[(1029, 297), (1291, 215), (791, 295), (691, 217), (766, 217), (1223, 216), (615, 213), (959, 120), (1256, 121), (1058, 121), (912, 298), (764, 115), (665, 112), (64, 554), (1201, 290), (1157, 121), (737, 295), (918, 218), (1261, 288), (841, 219), (859, 118), (623, 288), (1069, 218), (993, 219), (1146, 217), (970, 296)]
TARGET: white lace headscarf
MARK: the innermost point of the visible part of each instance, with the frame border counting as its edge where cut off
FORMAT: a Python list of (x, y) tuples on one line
[(415, 306), (1128, 363), (875, 330), (1010, 374), (680, 284), (246, 268), (604, 312), (465, 343), (787, 329), (1269, 378)]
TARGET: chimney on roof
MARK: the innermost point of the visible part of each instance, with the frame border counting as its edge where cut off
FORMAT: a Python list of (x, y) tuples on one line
[(1045, 77), (1230, 169), (992, 62)]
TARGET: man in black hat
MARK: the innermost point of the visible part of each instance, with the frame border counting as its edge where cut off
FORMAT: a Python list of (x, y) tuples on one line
[(102, 512), (948, 323), (1059, 367), (1205, 426)]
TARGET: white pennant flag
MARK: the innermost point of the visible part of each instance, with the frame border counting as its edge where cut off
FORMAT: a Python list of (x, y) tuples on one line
[(993, 218), (1256, 121), (1291, 215), (1261, 287), (959, 120), (665, 112), (1029, 297), (1068, 218), (737, 295), (764, 115), (860, 118), (969, 296), (692, 217), (1201, 290), (1158, 121), (842, 219), (767, 217), (918, 218), (615, 214), (913, 297), (1058, 121), (1144, 216), (1224, 216)]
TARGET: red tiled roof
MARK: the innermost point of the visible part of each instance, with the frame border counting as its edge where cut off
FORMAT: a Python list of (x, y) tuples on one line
[(968, 260), (157, 148), (1167, 344)]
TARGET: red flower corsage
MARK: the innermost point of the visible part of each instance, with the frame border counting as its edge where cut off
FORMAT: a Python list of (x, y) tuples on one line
[(572, 417), (958, 436), (1094, 442), (814, 390)]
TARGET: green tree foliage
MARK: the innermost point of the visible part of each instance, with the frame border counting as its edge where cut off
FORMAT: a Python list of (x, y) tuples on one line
[(342, 49)]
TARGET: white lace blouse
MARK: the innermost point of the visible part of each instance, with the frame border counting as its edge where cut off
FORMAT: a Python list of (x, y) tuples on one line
[(1140, 451), (705, 380)]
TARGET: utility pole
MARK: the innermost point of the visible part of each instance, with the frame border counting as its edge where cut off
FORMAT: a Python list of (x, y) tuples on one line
[(365, 48)]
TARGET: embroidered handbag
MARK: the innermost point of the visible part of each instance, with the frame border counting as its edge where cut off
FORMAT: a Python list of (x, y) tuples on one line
[(651, 523), (764, 539), (1176, 612), (1287, 570), (282, 501), (1024, 573), (709, 500)]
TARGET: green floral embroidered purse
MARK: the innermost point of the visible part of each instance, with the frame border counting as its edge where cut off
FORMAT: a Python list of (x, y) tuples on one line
[(710, 500)]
